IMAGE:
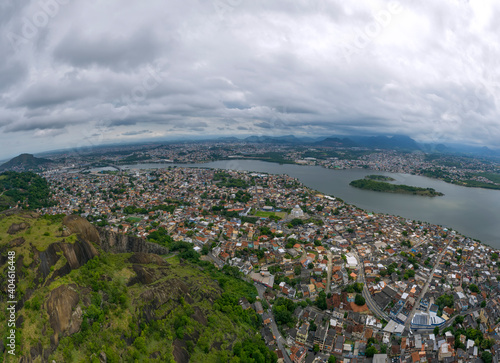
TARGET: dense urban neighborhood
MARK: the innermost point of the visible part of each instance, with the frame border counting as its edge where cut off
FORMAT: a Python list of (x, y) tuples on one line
[(335, 283), (452, 167)]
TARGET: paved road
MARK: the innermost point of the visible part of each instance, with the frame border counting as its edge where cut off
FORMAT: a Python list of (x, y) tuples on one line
[(329, 272), (279, 339), (426, 286), (215, 259), (372, 305)]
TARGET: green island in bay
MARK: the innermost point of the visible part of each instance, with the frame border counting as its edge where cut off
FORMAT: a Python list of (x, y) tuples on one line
[(379, 177), (379, 186)]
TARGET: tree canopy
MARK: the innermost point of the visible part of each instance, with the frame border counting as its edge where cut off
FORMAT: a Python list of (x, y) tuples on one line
[(28, 189), (359, 300)]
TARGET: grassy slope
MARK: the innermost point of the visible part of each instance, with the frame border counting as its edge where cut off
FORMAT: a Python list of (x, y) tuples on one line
[(206, 321), (41, 234)]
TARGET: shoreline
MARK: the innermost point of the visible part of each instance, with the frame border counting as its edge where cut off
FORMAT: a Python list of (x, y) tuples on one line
[(291, 162), (192, 165)]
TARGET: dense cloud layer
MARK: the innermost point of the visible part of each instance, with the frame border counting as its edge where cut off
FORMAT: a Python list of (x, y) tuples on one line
[(124, 70)]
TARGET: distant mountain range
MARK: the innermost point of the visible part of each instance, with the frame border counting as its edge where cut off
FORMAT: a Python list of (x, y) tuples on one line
[(461, 149), (396, 142), (373, 142), (336, 142), (24, 162)]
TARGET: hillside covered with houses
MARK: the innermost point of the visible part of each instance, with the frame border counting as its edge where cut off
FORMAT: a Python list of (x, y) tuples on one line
[(335, 282)]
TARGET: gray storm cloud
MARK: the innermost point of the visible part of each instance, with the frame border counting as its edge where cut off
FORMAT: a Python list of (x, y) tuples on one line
[(426, 69)]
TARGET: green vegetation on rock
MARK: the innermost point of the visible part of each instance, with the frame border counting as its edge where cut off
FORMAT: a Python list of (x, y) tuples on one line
[(378, 186), (128, 307), (24, 162)]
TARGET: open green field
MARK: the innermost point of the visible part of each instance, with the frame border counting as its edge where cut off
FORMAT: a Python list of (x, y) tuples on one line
[(41, 232), (269, 214)]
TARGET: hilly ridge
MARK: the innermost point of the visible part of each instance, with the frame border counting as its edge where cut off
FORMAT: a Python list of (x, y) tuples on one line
[(82, 298), (395, 142), (24, 162)]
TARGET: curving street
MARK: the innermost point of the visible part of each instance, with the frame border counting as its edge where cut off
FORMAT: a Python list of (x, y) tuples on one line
[(329, 272), (279, 339), (374, 308), (426, 287)]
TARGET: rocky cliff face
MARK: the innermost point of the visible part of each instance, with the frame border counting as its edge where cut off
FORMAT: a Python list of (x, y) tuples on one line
[(111, 241), (64, 305), (65, 317), (78, 303), (121, 243), (82, 227), (77, 254)]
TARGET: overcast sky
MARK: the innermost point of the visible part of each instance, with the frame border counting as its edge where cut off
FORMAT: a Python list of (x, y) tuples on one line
[(78, 73)]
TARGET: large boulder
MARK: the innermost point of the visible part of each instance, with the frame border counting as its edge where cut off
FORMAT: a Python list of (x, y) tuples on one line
[(65, 317), (82, 227), (17, 227), (16, 242), (77, 254)]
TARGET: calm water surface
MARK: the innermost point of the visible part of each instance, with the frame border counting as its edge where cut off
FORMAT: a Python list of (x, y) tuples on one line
[(473, 212)]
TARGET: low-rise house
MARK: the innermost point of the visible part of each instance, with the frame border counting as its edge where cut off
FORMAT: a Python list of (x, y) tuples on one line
[(320, 336), (339, 345), (302, 333), (298, 354)]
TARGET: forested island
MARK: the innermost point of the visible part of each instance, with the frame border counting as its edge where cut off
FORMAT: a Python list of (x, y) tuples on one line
[(379, 186), (379, 177)]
